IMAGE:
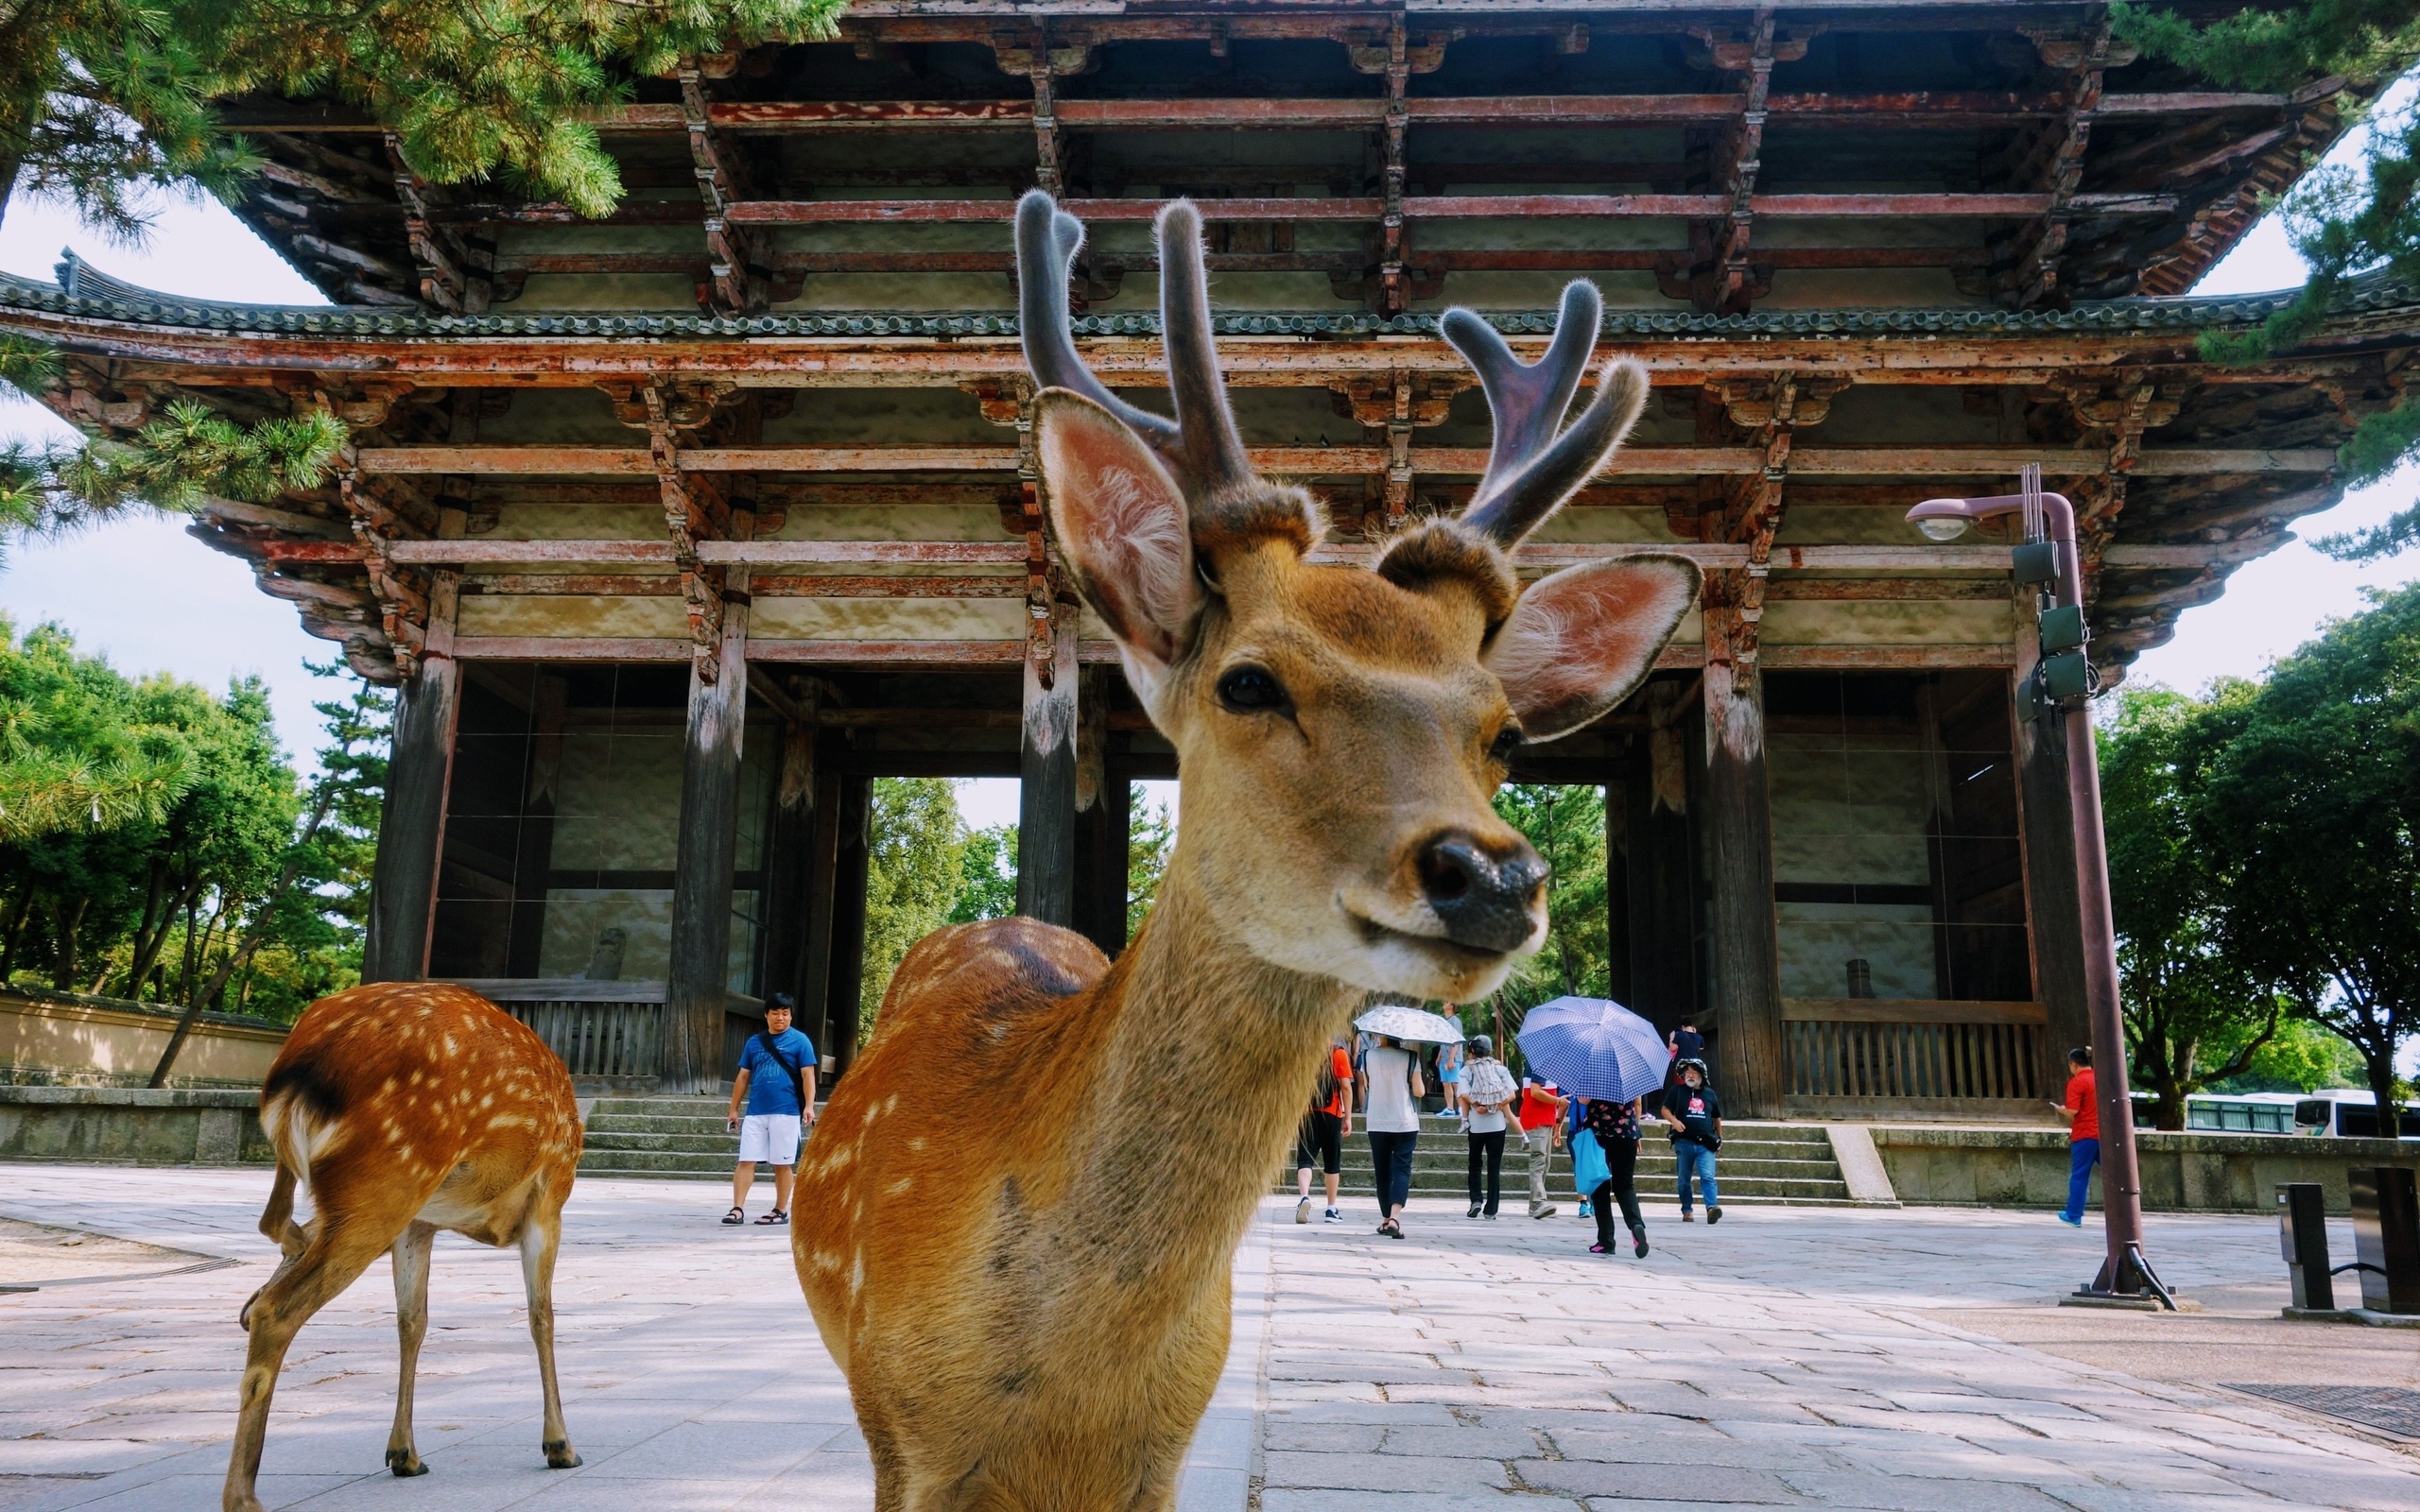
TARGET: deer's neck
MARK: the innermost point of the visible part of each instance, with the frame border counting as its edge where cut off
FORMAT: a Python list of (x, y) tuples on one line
[(1205, 1076)]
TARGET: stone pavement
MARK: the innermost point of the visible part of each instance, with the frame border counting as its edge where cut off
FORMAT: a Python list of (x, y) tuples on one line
[(1786, 1358)]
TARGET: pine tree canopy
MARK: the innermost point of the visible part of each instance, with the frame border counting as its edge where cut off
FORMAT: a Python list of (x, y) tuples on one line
[(2346, 222)]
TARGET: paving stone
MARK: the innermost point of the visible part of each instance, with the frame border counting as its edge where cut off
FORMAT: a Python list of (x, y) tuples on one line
[(1714, 1482)]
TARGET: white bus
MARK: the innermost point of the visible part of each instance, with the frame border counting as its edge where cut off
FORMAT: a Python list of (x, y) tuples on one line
[(2350, 1114)]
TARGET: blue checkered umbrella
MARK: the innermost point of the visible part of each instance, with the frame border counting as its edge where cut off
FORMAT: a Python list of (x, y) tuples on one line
[(1594, 1048)]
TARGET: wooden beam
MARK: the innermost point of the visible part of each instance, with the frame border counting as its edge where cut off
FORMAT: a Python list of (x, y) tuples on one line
[(1911, 108), (1449, 207), (1046, 765)]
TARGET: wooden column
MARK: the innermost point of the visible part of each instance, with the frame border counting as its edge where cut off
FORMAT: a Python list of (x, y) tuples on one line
[(1047, 764), (1617, 947), (1662, 865), (790, 873), (698, 983), (848, 971), (411, 820), (2054, 908), (1745, 955), (1102, 835), (816, 1018)]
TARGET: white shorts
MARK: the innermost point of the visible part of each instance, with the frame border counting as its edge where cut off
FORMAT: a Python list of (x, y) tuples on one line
[(771, 1137)]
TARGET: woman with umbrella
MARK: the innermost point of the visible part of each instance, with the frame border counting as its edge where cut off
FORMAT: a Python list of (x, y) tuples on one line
[(1392, 1110), (1608, 1056)]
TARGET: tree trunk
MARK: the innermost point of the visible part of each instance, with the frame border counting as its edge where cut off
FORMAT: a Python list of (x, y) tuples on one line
[(14, 932), (155, 938), (2381, 1073), (70, 920)]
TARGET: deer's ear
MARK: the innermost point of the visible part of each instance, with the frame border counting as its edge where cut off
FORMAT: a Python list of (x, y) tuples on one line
[(1122, 523), (1579, 642)]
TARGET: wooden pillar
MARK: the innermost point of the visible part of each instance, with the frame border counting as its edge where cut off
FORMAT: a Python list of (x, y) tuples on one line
[(1746, 956), (1102, 840), (1662, 865), (1046, 764), (848, 970), (816, 1018), (1617, 947), (2054, 906), (789, 874), (696, 992), (411, 820)]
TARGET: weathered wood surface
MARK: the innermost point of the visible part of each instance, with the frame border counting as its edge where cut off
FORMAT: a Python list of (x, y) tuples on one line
[(1744, 953), (701, 886), (1046, 765), (412, 818)]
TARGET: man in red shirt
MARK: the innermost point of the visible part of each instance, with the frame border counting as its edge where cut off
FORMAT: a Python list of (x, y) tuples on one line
[(1540, 1112), (2083, 1109), (1321, 1140)]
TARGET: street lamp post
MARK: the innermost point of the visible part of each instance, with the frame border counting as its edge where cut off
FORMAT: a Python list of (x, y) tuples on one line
[(2061, 683)]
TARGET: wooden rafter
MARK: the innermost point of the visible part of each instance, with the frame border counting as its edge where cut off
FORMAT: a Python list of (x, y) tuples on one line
[(735, 280)]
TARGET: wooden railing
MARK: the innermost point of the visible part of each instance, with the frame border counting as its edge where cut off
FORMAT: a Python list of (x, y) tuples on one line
[(598, 1028), (1872, 1050)]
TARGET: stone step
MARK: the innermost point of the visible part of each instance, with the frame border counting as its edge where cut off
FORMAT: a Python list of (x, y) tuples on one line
[(651, 1123)]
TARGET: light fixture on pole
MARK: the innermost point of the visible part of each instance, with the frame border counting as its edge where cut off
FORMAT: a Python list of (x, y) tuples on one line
[(2063, 678)]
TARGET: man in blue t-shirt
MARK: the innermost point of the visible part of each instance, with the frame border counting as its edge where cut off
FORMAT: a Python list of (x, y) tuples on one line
[(776, 1080)]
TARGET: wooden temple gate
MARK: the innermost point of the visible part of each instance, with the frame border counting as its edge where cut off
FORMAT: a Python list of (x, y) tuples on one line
[(679, 529)]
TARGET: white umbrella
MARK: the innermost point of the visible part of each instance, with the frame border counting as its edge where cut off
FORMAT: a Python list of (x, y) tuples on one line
[(1398, 1020)]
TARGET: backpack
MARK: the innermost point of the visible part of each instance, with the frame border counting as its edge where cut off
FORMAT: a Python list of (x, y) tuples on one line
[(798, 1083)]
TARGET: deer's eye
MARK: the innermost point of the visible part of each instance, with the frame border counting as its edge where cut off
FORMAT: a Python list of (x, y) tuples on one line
[(1249, 690), (1507, 740)]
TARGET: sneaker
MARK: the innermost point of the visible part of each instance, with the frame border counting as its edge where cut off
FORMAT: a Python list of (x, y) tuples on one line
[(1302, 1210), (1333, 1216), (1714, 1214), (1587, 1211), (1598, 1250), (2072, 1223), (1473, 1213), (1638, 1246), (1546, 1212), (1686, 1216)]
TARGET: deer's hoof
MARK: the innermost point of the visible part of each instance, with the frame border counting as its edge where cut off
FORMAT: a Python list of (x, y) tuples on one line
[(405, 1463), (560, 1455)]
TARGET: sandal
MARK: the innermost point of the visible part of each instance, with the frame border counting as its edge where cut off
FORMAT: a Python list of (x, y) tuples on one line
[(775, 1216), (735, 1215)]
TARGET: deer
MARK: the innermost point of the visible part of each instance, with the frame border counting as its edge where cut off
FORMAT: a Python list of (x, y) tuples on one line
[(399, 1109), (1031, 1184)]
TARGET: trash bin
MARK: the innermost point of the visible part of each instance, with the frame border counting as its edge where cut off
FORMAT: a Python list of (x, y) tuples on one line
[(2386, 1236), (2302, 1233)]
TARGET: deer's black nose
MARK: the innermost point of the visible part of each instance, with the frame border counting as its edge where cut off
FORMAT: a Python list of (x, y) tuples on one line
[(1482, 900)]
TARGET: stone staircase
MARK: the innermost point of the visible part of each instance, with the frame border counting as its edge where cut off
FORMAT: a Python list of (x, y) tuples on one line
[(683, 1139), (680, 1137), (1772, 1163)]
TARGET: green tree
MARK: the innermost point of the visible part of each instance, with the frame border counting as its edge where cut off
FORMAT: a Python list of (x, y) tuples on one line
[(987, 886), (2345, 222), (915, 868), (2313, 800), (71, 756), (1150, 839), (2303, 1056), (1566, 824), (2194, 1014)]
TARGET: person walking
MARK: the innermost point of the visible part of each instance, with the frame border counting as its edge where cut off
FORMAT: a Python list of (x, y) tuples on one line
[(2083, 1109), (1695, 1115), (1617, 1131), (775, 1081), (1321, 1140), (1392, 1117), (1487, 1093), (1541, 1106), (1449, 1077), (1683, 1043)]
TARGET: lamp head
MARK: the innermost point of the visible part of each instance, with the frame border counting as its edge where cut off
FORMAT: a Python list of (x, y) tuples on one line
[(1943, 526)]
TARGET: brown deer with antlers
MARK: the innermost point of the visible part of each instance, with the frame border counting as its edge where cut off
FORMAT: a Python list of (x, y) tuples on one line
[(1033, 1182), (401, 1109)]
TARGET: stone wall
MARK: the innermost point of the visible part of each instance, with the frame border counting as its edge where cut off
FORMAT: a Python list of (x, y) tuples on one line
[(128, 1126), (72, 1039), (2182, 1173)]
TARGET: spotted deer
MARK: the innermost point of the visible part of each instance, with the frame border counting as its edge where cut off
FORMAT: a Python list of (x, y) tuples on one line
[(400, 1109), (1019, 1213)]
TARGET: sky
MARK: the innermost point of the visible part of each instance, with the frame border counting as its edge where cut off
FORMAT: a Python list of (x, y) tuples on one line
[(151, 599)]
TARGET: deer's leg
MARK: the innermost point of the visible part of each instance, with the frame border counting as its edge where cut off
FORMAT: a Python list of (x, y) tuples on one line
[(411, 1325), (335, 1258), (277, 1219), (540, 1238)]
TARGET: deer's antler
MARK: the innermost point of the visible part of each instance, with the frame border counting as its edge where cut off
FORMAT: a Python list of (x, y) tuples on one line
[(1201, 447), (1531, 469)]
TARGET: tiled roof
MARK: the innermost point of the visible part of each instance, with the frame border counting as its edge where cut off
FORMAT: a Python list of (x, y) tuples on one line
[(108, 300)]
